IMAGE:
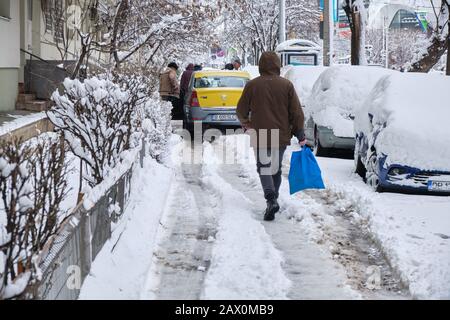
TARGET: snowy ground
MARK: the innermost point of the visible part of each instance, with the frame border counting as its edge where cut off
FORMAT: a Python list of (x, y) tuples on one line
[(119, 271), (15, 120), (200, 235)]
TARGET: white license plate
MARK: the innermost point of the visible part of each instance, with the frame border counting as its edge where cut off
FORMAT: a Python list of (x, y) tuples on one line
[(442, 186), (224, 117)]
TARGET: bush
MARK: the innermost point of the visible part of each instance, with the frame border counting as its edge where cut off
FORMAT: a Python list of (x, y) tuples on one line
[(33, 185)]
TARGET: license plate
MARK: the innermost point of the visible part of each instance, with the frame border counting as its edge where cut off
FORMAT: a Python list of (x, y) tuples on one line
[(442, 186), (224, 117)]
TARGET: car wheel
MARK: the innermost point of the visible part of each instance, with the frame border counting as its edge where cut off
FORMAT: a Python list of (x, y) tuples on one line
[(318, 150), (360, 168), (372, 178)]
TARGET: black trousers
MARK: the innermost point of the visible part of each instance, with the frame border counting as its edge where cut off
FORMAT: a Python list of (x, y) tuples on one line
[(269, 165), (177, 110)]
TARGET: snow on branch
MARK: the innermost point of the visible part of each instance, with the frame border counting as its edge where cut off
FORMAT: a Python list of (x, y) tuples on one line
[(99, 120), (33, 185)]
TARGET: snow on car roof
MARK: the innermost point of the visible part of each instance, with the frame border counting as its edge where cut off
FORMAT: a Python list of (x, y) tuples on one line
[(339, 92), (303, 78), (412, 111)]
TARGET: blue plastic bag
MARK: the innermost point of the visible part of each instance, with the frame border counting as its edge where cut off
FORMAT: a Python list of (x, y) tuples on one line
[(305, 172)]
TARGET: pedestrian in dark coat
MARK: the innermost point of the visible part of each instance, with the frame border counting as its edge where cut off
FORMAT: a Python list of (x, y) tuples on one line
[(185, 80), (271, 110)]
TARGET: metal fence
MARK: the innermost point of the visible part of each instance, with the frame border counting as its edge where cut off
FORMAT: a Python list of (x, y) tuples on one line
[(67, 260)]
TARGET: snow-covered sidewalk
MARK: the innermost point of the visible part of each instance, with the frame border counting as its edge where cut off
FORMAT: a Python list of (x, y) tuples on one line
[(200, 235), (119, 271)]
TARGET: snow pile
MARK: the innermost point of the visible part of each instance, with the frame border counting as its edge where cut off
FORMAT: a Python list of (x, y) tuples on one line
[(303, 78), (338, 94), (412, 231), (157, 126), (245, 263), (20, 121), (410, 120), (120, 269)]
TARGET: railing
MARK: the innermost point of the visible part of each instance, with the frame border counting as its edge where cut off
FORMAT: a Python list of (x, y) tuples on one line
[(42, 77), (34, 56), (66, 261)]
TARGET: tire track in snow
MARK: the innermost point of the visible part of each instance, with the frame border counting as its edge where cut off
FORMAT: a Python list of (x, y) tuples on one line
[(245, 263), (184, 253), (351, 245), (327, 254), (312, 273)]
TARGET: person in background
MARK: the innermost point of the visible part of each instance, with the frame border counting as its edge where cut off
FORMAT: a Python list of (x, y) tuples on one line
[(169, 89), (270, 107), (198, 67), (237, 64), (185, 80)]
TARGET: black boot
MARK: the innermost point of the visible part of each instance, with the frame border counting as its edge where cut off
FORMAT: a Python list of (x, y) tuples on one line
[(272, 208)]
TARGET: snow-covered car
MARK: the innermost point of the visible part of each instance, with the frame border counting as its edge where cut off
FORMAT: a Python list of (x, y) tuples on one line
[(335, 98), (403, 134), (303, 78)]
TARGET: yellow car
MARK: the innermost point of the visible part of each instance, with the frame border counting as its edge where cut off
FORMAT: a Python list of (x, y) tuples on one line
[(212, 98)]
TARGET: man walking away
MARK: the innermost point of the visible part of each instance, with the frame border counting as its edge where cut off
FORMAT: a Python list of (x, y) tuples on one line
[(169, 89), (185, 80), (270, 106)]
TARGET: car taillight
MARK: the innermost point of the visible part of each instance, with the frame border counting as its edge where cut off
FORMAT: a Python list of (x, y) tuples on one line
[(194, 99)]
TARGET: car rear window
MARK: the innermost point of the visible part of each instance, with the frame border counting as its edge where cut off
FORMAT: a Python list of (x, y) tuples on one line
[(220, 82)]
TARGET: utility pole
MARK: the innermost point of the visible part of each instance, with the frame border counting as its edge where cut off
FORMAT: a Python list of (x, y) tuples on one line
[(282, 15), (447, 72), (356, 37), (387, 43), (327, 33)]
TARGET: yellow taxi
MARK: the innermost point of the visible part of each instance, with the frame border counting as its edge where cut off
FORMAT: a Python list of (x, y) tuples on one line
[(212, 98)]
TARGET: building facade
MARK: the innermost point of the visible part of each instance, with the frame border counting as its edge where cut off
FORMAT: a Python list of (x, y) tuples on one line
[(38, 35), (9, 53)]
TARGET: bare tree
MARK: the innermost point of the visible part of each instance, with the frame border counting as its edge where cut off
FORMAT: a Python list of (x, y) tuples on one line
[(438, 42), (252, 25), (356, 15)]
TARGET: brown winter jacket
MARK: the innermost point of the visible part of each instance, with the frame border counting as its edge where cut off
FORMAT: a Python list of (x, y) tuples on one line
[(270, 102), (168, 84)]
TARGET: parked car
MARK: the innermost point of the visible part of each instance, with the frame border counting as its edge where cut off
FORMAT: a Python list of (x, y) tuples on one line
[(303, 78), (212, 98), (331, 106), (403, 136)]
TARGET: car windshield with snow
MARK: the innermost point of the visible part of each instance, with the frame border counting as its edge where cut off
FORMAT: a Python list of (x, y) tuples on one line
[(330, 109), (402, 140)]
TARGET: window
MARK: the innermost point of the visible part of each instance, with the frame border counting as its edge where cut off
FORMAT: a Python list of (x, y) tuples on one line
[(220, 82), (405, 20), (54, 19), (59, 21), (5, 9)]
